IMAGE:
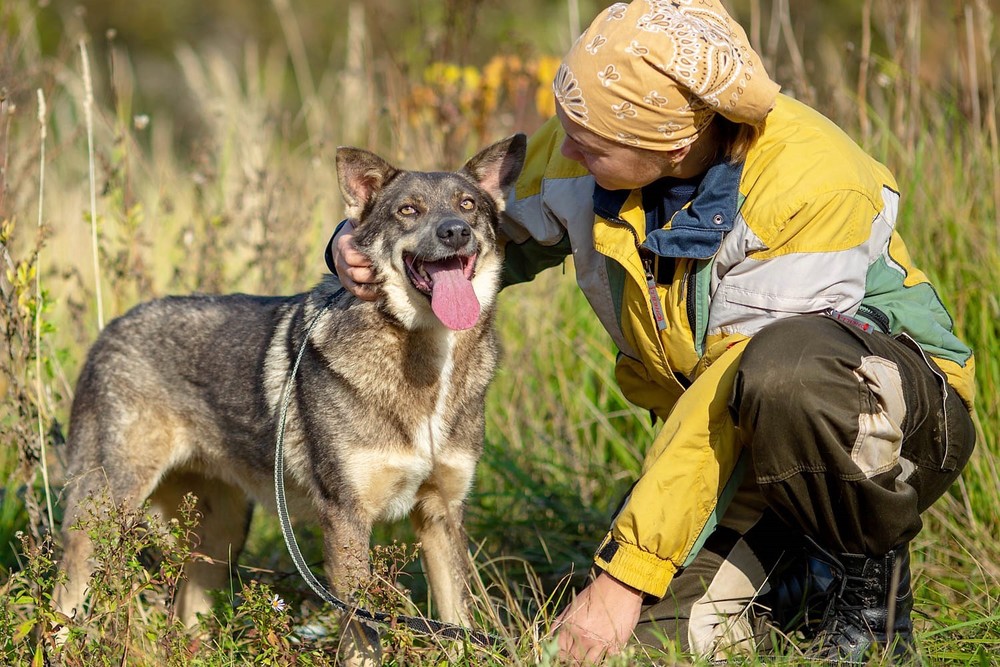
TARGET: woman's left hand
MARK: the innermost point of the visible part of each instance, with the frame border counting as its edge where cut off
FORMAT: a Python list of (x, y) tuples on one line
[(599, 621)]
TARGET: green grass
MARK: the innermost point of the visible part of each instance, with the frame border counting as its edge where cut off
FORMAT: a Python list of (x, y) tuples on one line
[(236, 191)]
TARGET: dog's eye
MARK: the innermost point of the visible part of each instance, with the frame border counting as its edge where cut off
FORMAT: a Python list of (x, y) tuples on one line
[(467, 203), (407, 210)]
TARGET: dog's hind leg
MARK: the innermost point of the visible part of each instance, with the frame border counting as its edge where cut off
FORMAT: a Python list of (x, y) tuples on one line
[(224, 519), (76, 563), (115, 458)]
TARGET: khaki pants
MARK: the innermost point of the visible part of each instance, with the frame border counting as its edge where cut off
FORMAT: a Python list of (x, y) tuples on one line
[(850, 436)]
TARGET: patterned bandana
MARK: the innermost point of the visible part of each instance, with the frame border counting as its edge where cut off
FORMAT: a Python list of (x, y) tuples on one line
[(653, 73)]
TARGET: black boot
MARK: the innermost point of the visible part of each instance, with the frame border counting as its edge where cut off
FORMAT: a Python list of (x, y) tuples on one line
[(865, 620), (801, 589)]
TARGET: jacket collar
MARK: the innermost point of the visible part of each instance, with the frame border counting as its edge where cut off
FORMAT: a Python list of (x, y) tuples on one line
[(695, 231)]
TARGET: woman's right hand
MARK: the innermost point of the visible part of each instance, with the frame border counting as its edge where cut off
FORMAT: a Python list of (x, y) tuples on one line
[(353, 267)]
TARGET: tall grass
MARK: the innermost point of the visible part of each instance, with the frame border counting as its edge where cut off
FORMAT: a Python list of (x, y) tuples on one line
[(247, 206)]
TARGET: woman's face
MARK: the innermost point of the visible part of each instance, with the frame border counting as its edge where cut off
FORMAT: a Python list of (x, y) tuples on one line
[(615, 166)]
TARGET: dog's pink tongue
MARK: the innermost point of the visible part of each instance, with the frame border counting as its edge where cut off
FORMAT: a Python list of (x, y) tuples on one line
[(452, 298)]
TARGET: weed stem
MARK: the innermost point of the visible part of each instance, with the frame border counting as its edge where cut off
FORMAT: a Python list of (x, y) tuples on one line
[(88, 110), (38, 309)]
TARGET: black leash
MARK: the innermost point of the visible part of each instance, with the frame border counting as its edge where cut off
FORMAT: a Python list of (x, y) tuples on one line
[(424, 626)]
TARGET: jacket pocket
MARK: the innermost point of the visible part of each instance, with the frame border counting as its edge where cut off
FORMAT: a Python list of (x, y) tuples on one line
[(783, 303), (951, 433)]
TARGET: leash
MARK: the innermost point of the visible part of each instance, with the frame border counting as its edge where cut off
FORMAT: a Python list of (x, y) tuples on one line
[(371, 619)]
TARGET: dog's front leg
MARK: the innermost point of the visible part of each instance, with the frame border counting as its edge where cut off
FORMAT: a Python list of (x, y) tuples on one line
[(438, 525), (346, 537)]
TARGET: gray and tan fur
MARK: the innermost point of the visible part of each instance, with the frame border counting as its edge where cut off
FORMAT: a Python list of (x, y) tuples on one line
[(386, 414)]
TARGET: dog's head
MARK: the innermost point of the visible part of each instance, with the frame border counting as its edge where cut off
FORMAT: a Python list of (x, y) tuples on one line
[(431, 236)]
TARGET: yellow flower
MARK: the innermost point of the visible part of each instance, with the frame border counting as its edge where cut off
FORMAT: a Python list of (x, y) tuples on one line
[(545, 71)]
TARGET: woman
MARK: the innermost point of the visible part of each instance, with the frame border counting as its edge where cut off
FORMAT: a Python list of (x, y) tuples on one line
[(740, 250)]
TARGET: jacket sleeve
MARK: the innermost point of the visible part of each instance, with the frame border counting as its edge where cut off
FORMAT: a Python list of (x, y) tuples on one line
[(533, 226), (684, 486), (523, 261)]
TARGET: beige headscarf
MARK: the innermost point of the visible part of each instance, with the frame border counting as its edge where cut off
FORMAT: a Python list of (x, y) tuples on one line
[(653, 73)]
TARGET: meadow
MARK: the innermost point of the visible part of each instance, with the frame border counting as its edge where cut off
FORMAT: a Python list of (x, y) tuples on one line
[(142, 156)]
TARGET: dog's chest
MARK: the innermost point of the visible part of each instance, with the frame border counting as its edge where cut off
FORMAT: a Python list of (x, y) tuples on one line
[(389, 478)]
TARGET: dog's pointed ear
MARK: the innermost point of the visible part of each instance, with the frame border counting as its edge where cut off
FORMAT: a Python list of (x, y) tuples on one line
[(497, 167), (361, 175)]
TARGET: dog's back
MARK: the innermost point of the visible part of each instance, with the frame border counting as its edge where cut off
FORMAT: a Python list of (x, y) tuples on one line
[(163, 381)]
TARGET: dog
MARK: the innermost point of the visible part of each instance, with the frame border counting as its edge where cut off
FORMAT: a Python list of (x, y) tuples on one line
[(386, 412)]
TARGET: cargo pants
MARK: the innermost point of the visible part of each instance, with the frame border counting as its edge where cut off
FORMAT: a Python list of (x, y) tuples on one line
[(850, 435)]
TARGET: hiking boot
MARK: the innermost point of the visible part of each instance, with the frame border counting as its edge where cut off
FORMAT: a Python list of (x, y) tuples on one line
[(800, 594), (869, 613)]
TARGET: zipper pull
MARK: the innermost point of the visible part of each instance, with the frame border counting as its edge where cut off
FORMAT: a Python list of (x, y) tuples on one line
[(654, 298)]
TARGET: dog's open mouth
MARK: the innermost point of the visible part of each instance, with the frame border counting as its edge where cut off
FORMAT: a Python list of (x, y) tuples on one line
[(448, 282)]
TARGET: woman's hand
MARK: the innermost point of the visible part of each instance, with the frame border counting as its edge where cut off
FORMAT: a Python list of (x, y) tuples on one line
[(353, 267), (599, 621)]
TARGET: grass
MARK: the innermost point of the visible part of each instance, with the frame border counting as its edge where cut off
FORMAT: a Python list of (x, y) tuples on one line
[(247, 205)]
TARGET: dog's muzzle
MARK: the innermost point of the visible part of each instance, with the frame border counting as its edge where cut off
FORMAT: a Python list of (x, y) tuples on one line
[(448, 283)]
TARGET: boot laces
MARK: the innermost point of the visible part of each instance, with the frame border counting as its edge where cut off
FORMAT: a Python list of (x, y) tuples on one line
[(846, 608)]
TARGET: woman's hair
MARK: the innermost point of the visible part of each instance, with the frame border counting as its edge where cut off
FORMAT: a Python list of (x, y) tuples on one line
[(736, 139)]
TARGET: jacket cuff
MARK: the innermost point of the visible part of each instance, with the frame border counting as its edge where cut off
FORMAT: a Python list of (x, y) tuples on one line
[(328, 254), (634, 567)]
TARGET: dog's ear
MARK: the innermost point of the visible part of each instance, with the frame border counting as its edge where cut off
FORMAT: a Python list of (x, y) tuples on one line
[(361, 174), (497, 167)]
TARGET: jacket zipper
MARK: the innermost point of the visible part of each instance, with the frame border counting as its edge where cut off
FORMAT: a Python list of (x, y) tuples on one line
[(691, 297), (880, 319), (647, 267), (654, 297)]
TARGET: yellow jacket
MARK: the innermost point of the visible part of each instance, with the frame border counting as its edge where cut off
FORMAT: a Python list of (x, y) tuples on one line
[(805, 224)]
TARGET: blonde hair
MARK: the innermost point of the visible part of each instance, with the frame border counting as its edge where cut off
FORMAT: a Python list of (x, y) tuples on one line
[(736, 139)]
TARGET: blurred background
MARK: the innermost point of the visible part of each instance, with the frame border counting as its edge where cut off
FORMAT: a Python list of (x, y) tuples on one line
[(816, 48), (187, 146)]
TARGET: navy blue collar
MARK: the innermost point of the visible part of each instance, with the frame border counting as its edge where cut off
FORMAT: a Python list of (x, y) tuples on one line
[(695, 232)]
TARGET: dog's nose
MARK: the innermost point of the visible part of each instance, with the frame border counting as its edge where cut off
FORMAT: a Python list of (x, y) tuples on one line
[(454, 233)]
